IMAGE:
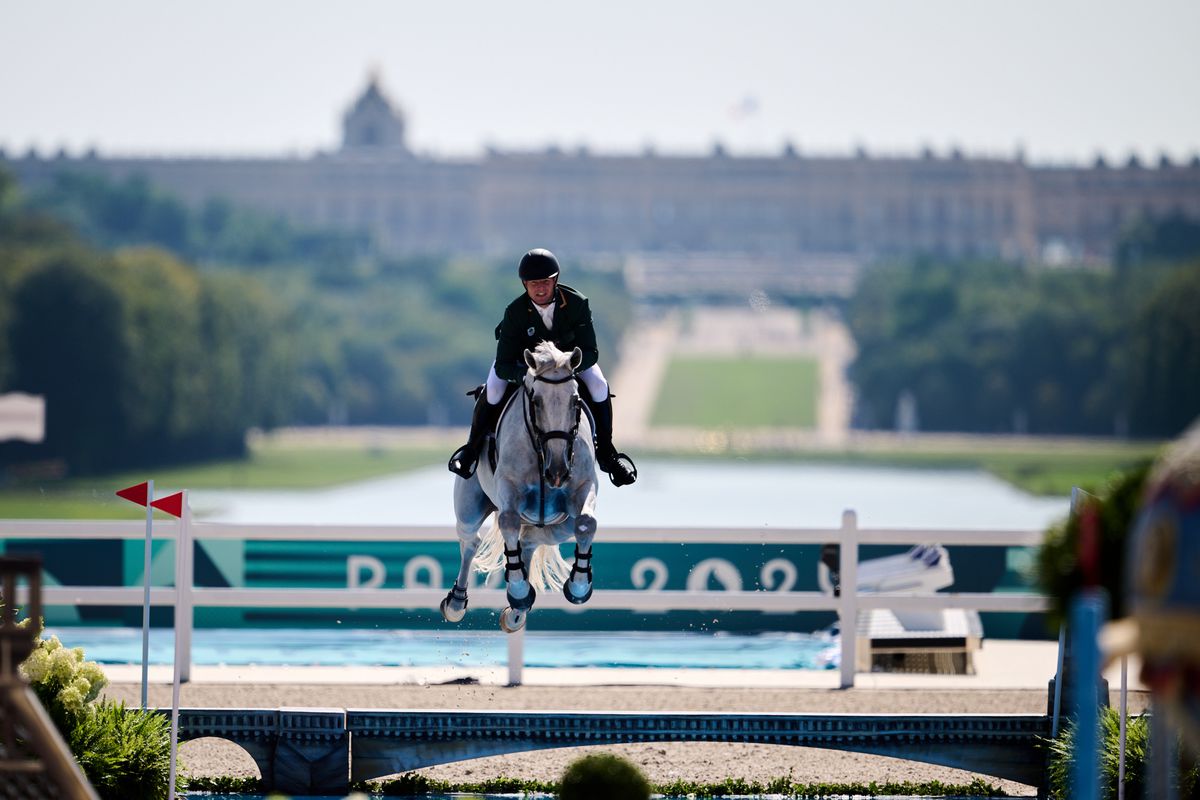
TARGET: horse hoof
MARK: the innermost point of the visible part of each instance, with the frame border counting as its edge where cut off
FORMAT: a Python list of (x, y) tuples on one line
[(450, 614), (512, 619), (524, 603), (572, 598)]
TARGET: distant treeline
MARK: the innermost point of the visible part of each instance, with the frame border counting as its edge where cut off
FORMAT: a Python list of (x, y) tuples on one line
[(111, 214), (146, 358), (987, 347)]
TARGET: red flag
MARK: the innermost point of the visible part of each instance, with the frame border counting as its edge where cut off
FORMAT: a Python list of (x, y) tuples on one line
[(172, 504), (135, 494)]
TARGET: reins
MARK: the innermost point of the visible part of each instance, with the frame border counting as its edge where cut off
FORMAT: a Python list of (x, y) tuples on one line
[(538, 438)]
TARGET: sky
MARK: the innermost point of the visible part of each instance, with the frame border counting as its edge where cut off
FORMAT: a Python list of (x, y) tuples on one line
[(1058, 80)]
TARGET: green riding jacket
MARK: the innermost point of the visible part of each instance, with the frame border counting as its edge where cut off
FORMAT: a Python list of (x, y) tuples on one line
[(522, 329)]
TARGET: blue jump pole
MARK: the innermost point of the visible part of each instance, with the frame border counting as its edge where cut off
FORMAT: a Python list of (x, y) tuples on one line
[(1087, 612)]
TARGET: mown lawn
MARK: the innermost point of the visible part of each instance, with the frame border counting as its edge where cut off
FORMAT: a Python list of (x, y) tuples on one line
[(710, 392)]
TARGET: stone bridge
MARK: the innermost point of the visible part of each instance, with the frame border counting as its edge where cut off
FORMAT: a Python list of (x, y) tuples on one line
[(320, 750)]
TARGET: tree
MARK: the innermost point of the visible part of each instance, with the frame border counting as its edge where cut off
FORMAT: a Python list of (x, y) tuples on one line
[(1175, 238), (68, 343), (1165, 362)]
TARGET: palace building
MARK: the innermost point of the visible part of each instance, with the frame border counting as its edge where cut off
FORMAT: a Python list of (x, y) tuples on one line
[(726, 223)]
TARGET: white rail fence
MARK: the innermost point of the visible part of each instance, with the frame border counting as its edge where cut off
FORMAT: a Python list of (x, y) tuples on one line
[(185, 596)]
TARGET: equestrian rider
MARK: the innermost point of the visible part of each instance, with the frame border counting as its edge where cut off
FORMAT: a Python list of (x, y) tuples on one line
[(553, 312)]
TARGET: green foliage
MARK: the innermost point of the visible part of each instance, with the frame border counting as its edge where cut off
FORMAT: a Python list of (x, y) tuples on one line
[(993, 348), (124, 752), (738, 393), (1137, 749), (415, 785), (1059, 574), (986, 348), (118, 213), (1174, 238), (602, 776), (224, 784), (142, 360), (67, 341), (1165, 356)]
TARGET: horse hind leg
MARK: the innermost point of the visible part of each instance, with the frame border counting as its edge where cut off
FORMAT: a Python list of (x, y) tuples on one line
[(472, 511), (454, 605)]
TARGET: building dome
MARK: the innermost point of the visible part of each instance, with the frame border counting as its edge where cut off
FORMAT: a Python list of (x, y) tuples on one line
[(372, 123)]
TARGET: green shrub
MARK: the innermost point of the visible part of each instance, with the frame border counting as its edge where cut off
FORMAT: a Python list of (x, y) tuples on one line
[(1059, 574), (124, 752), (1137, 748), (603, 777)]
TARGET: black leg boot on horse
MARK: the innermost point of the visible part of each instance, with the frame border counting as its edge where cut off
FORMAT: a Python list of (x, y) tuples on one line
[(582, 566), (483, 422), (620, 467)]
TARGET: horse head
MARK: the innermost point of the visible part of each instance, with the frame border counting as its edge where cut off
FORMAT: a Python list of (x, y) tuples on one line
[(552, 407)]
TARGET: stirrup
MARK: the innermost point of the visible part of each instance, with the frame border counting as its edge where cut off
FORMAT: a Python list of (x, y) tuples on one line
[(461, 463), (621, 469)]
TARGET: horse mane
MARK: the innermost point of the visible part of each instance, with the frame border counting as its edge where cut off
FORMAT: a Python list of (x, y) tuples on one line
[(547, 357)]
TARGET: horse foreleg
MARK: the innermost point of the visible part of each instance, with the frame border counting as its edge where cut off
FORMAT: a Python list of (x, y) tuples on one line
[(578, 587), (520, 591)]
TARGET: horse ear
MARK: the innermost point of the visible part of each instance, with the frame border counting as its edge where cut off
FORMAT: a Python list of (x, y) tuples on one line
[(576, 358), (529, 360)]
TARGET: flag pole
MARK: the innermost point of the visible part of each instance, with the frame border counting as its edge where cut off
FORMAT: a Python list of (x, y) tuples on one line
[(146, 594), (182, 557)]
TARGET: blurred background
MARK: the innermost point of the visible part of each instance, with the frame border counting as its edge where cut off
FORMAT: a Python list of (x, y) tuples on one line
[(265, 246)]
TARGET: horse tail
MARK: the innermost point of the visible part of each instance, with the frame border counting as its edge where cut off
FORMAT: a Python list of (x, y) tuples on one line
[(547, 569), (489, 557)]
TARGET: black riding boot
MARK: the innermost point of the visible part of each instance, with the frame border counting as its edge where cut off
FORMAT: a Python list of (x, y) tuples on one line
[(620, 467), (483, 420)]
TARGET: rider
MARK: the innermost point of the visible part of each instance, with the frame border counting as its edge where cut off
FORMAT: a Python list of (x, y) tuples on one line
[(546, 311)]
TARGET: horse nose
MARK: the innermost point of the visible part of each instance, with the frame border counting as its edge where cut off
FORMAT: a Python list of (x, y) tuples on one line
[(556, 477)]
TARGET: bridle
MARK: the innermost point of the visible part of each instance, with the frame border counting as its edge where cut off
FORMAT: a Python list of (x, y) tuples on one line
[(538, 437)]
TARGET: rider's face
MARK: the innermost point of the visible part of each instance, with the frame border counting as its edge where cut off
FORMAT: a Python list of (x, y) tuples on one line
[(541, 291)]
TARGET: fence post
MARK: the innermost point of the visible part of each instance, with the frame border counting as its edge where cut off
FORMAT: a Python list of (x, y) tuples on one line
[(184, 575), (848, 605), (516, 657)]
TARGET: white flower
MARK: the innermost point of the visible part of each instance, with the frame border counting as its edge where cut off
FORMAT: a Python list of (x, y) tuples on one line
[(36, 666), (62, 665), (71, 699), (95, 676)]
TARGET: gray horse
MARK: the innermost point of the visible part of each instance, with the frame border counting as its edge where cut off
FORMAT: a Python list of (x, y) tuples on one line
[(542, 493)]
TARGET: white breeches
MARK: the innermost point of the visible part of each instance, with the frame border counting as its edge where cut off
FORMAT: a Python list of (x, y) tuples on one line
[(592, 378)]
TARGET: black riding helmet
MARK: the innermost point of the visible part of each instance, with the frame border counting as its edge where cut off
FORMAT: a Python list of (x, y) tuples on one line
[(537, 265)]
